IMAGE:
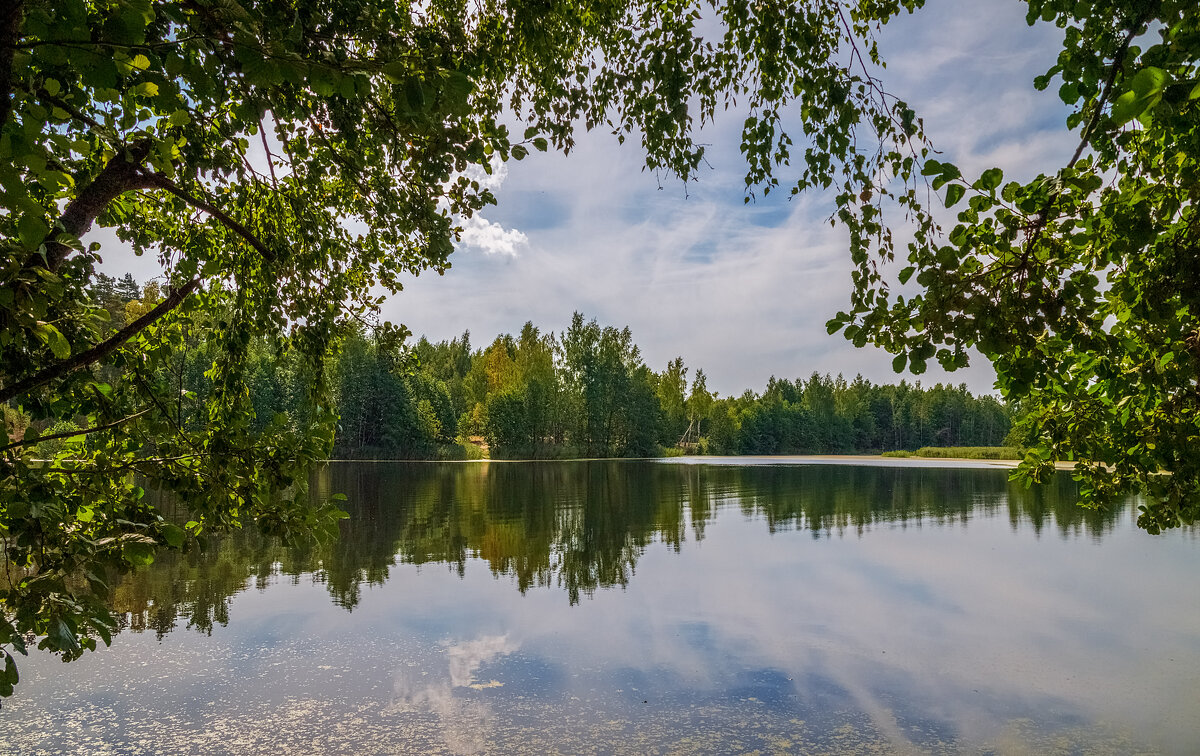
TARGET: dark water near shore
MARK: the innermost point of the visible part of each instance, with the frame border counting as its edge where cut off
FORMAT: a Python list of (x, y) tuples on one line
[(641, 607)]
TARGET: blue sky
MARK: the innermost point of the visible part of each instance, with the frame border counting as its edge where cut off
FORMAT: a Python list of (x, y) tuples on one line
[(742, 291)]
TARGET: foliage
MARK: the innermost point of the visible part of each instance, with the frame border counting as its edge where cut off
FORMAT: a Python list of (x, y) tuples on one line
[(1080, 286), (824, 415), (530, 401)]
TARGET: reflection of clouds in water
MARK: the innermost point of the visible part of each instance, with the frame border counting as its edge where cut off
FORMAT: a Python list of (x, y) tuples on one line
[(936, 634), (465, 724), (467, 658)]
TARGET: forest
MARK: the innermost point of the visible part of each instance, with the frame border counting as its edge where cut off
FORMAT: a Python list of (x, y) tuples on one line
[(581, 392)]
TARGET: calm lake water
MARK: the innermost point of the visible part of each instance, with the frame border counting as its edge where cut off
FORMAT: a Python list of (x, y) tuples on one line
[(643, 607)]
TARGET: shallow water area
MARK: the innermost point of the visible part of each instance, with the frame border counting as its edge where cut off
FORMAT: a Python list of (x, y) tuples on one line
[(643, 607)]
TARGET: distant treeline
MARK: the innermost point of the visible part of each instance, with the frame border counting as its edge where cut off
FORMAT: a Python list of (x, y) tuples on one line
[(585, 392)]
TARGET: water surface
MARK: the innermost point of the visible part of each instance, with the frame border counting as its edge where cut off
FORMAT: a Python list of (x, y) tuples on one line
[(640, 607)]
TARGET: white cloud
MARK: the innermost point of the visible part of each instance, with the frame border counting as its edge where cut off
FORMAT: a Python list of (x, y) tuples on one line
[(491, 238), (484, 235)]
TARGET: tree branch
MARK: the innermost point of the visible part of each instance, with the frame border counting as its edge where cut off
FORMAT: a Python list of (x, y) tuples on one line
[(70, 110), (70, 433), (104, 348), (262, 133), (1106, 92), (120, 175), (159, 181), (1118, 63)]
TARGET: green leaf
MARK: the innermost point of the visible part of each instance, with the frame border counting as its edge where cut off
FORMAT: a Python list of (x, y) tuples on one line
[(145, 89), (991, 179), (32, 230), (1145, 91), (414, 93), (458, 87), (954, 192), (62, 636), (1068, 93), (173, 535), (138, 553), (397, 69), (899, 361), (948, 173), (53, 338), (10, 675)]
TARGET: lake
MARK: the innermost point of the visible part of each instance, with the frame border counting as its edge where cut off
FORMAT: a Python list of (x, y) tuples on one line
[(651, 607)]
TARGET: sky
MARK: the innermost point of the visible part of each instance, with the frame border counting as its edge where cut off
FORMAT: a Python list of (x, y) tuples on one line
[(740, 290)]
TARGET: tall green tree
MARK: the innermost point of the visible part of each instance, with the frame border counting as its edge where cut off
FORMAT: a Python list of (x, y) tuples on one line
[(671, 387)]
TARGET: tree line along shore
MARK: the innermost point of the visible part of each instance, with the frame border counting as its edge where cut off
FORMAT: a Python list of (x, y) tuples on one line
[(581, 392)]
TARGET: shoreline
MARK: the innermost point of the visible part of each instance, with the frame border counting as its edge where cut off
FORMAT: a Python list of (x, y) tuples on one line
[(862, 460)]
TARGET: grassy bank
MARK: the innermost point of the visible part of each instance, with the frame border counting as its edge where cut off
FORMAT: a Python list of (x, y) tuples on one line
[(961, 452)]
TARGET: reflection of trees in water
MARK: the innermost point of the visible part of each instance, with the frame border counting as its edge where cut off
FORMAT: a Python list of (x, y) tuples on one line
[(575, 525), (833, 498)]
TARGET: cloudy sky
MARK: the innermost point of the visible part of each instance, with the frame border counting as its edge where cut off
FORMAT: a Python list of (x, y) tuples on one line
[(742, 291)]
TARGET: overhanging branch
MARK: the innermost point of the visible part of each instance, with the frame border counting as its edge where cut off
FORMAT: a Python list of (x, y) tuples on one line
[(154, 180), (72, 433), (103, 349), (121, 174)]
